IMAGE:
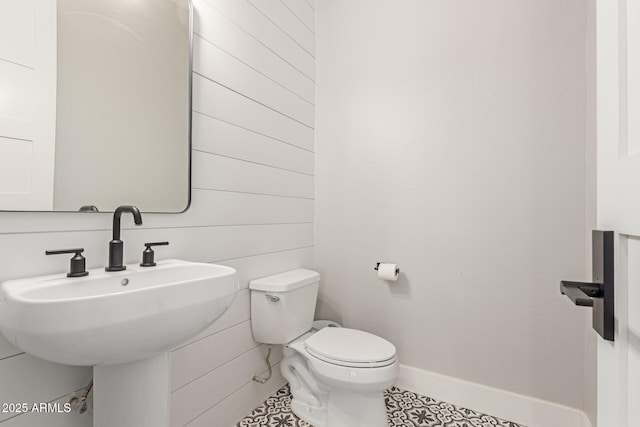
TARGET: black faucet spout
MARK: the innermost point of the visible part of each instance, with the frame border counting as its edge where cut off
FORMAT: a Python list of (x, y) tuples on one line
[(116, 246), (137, 218)]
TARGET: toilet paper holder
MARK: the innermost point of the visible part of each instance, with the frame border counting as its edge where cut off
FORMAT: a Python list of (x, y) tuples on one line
[(378, 265)]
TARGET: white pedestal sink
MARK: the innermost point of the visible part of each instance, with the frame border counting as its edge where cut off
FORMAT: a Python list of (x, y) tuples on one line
[(122, 323)]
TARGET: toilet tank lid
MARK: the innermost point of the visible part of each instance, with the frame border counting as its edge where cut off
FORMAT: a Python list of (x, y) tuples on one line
[(286, 281)]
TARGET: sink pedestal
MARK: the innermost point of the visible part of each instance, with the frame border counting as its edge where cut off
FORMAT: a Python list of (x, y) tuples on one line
[(133, 394)]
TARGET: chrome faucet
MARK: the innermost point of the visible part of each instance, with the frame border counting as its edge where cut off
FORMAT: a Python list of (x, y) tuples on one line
[(116, 246)]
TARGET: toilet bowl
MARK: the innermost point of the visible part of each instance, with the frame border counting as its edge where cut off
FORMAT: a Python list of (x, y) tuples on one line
[(337, 376)]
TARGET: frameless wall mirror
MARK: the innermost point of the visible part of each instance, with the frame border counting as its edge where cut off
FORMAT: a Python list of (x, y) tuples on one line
[(95, 104)]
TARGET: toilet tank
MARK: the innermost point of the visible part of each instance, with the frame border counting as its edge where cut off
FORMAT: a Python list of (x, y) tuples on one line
[(283, 305)]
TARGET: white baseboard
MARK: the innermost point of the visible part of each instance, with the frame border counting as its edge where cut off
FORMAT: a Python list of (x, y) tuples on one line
[(525, 410)]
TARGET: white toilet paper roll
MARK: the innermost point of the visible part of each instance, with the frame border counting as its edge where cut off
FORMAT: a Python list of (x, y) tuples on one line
[(388, 271)]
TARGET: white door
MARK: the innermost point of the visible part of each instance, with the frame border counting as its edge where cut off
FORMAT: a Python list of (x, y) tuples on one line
[(618, 193), (27, 103)]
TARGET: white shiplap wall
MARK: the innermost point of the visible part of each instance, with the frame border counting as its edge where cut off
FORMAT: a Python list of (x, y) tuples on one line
[(252, 208)]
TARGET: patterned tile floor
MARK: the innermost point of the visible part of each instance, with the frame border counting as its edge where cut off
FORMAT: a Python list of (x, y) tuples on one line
[(404, 409)]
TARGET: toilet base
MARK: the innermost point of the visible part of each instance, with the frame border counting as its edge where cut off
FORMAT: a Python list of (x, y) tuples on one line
[(314, 415), (344, 409), (356, 410), (323, 405)]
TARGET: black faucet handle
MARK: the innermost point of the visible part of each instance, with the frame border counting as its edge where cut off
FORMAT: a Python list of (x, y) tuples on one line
[(77, 265), (148, 254)]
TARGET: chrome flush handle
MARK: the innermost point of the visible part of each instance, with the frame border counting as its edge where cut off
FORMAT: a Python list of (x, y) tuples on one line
[(273, 298)]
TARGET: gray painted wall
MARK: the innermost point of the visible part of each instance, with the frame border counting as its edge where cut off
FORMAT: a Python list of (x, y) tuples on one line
[(451, 140)]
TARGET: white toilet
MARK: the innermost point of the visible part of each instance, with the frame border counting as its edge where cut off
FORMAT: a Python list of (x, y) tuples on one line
[(337, 375)]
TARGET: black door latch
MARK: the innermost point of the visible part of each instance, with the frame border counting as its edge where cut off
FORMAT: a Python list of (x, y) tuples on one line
[(599, 293)]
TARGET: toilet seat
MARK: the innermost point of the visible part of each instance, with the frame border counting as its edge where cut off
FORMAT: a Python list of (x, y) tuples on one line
[(350, 348)]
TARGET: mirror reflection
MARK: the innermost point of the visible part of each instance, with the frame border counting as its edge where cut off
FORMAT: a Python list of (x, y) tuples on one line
[(95, 105)]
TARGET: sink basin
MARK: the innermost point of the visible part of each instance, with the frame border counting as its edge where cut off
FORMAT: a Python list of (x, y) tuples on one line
[(109, 318)]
